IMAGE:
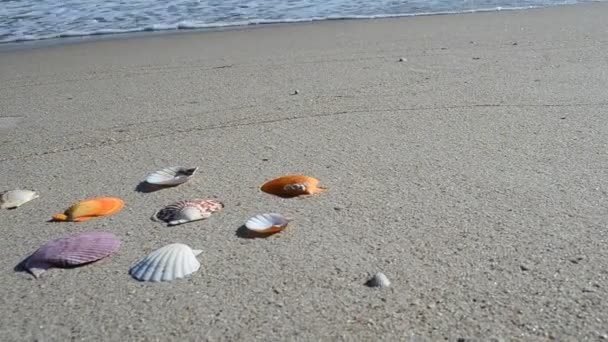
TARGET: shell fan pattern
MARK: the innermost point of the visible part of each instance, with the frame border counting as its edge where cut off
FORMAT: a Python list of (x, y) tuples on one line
[(188, 211), (167, 263), (72, 251)]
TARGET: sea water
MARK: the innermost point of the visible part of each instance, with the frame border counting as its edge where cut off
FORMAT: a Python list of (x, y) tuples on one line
[(23, 20)]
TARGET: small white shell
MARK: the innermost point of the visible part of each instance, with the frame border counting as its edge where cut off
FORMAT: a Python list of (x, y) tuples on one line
[(296, 187), (171, 176), (187, 211), (378, 280), (267, 223), (168, 263), (15, 198)]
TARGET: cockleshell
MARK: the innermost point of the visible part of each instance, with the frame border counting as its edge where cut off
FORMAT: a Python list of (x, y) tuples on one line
[(15, 198), (71, 251), (90, 208), (292, 186), (168, 263), (188, 211), (171, 176), (267, 223)]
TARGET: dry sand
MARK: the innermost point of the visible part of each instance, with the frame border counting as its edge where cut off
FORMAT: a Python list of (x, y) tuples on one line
[(474, 175)]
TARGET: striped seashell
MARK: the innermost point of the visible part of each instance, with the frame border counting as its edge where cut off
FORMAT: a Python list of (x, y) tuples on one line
[(292, 186), (15, 198), (88, 209), (188, 211), (71, 251), (171, 176), (168, 263)]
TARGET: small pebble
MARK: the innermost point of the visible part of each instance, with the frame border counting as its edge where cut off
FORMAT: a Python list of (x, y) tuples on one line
[(524, 267), (295, 92), (378, 280), (577, 259), (402, 59), (514, 43)]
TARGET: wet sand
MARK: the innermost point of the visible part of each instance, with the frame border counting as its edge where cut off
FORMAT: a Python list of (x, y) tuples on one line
[(473, 174)]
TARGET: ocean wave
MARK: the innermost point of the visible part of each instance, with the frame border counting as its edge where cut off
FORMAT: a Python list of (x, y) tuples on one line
[(89, 24)]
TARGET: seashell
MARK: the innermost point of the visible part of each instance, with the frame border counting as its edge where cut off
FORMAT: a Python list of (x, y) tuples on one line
[(71, 251), (87, 209), (292, 186), (188, 211), (267, 223), (171, 176), (15, 198), (168, 263), (378, 280)]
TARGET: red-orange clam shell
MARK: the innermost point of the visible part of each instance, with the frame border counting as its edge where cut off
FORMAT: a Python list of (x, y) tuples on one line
[(88, 209), (292, 186)]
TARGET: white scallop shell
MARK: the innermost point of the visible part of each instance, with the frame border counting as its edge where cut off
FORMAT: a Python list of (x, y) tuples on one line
[(15, 198), (168, 263), (267, 223), (171, 176), (187, 211)]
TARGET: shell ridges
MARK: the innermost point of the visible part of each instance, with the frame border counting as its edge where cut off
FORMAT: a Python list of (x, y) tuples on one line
[(167, 263), (188, 211), (71, 251)]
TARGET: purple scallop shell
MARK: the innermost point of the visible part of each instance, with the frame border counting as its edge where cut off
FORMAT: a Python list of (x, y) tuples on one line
[(71, 251)]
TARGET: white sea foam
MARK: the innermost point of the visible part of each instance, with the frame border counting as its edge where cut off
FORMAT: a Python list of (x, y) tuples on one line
[(23, 20)]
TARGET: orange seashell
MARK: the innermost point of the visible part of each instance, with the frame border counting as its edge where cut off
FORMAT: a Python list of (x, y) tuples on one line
[(90, 208), (292, 186)]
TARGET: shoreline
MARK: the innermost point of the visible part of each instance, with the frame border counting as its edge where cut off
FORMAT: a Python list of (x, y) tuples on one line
[(464, 156), (144, 33)]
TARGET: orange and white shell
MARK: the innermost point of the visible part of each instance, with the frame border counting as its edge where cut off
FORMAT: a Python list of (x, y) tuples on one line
[(292, 186), (90, 208), (267, 223)]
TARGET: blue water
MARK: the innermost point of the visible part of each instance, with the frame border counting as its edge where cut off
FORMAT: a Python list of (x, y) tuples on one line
[(22, 20)]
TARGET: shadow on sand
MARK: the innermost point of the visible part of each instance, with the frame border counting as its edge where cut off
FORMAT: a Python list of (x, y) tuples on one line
[(146, 187), (245, 233)]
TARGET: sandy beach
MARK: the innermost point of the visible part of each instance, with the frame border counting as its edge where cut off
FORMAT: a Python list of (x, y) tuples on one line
[(474, 174)]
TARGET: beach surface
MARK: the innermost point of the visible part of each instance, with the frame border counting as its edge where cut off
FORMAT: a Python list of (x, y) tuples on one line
[(474, 174)]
